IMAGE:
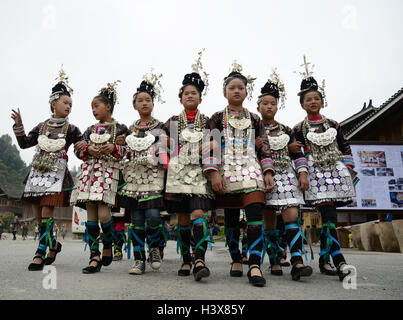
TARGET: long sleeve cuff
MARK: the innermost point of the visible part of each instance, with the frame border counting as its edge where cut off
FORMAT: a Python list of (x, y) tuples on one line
[(348, 161), (18, 131), (267, 164), (210, 163), (301, 164), (118, 152)]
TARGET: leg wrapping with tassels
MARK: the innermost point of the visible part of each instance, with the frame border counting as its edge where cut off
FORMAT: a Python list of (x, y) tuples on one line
[(244, 245), (332, 246), (272, 246), (255, 242), (183, 243), (154, 235), (107, 229), (232, 241), (46, 236), (295, 242), (91, 237), (201, 236), (137, 236)]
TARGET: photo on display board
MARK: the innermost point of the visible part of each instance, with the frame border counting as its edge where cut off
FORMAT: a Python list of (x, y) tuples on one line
[(397, 199), (372, 159), (384, 172), (368, 203), (368, 172)]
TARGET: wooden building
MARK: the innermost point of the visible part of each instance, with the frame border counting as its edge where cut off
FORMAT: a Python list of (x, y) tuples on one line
[(372, 125)]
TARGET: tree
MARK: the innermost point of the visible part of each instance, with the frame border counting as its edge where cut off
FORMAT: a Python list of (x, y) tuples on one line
[(12, 167)]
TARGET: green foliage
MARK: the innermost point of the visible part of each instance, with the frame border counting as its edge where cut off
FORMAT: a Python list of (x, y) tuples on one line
[(12, 167), (7, 222)]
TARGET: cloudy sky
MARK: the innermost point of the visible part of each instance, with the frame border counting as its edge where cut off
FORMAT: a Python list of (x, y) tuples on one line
[(355, 45)]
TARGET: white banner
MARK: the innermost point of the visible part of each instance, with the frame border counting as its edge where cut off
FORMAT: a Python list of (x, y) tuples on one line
[(380, 169), (78, 220)]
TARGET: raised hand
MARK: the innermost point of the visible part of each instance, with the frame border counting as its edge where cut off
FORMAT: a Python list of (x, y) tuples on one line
[(16, 116)]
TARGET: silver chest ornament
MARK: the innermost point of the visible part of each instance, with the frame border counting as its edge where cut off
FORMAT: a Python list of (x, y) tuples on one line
[(322, 139), (279, 142), (51, 145), (99, 138)]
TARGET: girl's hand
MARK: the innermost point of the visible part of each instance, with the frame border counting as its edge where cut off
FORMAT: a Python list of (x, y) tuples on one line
[(303, 183), (120, 140), (258, 143), (217, 182), (80, 146), (94, 151), (295, 147), (16, 116), (269, 181), (107, 149)]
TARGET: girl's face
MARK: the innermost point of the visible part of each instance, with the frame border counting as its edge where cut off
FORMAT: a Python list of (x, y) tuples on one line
[(62, 106), (100, 110), (268, 107), (190, 98), (143, 104), (235, 91), (312, 103)]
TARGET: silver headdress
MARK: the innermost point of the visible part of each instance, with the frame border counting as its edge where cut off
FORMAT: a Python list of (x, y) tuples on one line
[(110, 91), (309, 82), (153, 80), (61, 87), (275, 87), (198, 68), (236, 72)]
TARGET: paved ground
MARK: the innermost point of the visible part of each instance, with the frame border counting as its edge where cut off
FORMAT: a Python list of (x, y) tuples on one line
[(379, 276)]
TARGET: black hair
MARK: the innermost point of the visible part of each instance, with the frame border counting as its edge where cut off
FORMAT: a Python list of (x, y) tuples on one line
[(107, 97), (192, 79), (233, 75), (61, 89), (145, 87)]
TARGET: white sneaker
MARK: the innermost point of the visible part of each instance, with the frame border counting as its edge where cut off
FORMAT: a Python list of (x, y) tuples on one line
[(155, 258), (138, 267)]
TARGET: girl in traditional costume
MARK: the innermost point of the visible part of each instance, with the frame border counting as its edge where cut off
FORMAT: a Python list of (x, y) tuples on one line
[(98, 176), (330, 166), (287, 195), (49, 182), (188, 191), (240, 177), (144, 175)]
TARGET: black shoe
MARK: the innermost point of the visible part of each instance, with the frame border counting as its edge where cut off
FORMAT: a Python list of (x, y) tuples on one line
[(92, 269), (184, 273), (257, 281), (276, 272), (327, 272), (245, 260), (342, 273), (107, 260), (297, 273), (56, 250), (235, 273), (37, 266), (200, 271), (285, 264)]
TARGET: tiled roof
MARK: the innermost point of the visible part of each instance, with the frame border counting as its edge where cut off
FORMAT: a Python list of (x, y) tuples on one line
[(362, 118)]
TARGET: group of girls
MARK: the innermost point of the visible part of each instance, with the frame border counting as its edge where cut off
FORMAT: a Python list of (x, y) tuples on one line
[(189, 165)]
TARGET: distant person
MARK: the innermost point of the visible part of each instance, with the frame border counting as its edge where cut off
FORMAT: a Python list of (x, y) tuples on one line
[(64, 231), (14, 227), (24, 231), (1, 228), (36, 231)]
